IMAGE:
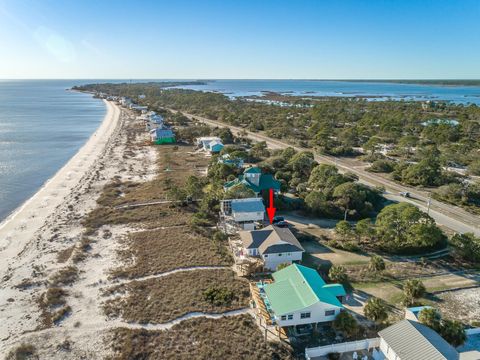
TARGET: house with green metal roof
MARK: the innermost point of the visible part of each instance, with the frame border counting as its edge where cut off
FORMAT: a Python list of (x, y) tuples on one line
[(299, 296), (255, 180)]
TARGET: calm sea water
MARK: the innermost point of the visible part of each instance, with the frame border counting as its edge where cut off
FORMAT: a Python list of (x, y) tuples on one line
[(41, 127), (372, 90)]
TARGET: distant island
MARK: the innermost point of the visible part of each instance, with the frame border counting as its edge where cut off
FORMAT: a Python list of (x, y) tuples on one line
[(146, 85)]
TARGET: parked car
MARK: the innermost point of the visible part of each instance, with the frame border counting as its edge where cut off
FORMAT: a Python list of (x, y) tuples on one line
[(282, 224), (277, 219)]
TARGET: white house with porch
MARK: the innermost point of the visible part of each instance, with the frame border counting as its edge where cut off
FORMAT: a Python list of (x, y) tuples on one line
[(273, 245), (241, 214), (299, 296)]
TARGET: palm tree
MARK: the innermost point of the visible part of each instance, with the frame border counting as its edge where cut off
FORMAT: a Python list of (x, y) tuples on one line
[(375, 310)]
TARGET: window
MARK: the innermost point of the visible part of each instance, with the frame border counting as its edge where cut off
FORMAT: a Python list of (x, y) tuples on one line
[(304, 315), (266, 255), (290, 317), (280, 254), (329, 312), (284, 317), (289, 254)]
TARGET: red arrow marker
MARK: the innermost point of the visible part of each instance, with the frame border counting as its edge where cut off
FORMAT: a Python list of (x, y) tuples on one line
[(271, 209)]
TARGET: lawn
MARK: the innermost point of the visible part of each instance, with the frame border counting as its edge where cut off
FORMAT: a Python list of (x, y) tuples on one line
[(233, 338), (163, 299), (161, 250)]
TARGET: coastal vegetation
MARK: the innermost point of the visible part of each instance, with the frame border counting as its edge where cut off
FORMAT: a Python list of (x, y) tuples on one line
[(159, 300), (452, 331), (161, 250), (225, 338), (429, 145)]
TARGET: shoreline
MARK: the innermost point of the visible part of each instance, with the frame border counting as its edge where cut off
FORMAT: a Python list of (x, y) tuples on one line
[(21, 225)]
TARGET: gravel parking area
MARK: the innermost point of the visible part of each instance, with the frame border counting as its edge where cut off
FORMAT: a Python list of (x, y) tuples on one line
[(463, 305)]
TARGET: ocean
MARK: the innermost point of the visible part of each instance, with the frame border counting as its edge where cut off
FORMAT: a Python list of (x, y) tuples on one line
[(41, 127)]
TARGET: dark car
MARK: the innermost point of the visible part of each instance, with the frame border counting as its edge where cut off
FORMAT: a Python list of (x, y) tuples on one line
[(282, 224), (277, 219)]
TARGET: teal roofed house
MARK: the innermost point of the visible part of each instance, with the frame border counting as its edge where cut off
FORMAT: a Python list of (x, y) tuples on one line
[(255, 180), (299, 296)]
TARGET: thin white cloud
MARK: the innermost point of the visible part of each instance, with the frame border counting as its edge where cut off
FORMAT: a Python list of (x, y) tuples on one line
[(57, 45), (92, 48)]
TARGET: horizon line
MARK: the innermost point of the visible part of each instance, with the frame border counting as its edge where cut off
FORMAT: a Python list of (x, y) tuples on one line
[(279, 79)]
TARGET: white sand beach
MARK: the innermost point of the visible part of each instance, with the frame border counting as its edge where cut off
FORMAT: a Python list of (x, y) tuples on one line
[(20, 227), (47, 223), (51, 223)]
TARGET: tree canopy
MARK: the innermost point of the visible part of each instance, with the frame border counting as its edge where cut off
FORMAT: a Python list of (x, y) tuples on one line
[(403, 228)]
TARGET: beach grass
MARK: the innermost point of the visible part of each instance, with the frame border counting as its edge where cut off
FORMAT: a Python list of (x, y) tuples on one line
[(159, 300)]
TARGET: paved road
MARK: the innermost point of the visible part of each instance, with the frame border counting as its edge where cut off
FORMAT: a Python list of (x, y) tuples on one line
[(452, 217)]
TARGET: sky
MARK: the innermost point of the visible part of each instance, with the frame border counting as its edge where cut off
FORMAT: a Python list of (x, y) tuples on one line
[(239, 39)]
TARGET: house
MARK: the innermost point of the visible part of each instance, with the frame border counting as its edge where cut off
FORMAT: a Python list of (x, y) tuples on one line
[(154, 121), (299, 296), (212, 144), (405, 340), (254, 180), (125, 101), (162, 135), (229, 160), (410, 340), (136, 107), (241, 213), (273, 245), (215, 146)]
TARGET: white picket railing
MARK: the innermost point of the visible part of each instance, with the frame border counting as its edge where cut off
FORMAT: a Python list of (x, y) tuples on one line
[(342, 347)]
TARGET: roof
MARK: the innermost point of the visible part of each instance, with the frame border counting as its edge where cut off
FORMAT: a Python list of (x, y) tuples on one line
[(267, 181), (164, 132), (207, 139), (336, 289), (470, 355), (411, 340), (297, 287), (271, 239), (215, 145), (248, 205), (253, 170), (280, 240)]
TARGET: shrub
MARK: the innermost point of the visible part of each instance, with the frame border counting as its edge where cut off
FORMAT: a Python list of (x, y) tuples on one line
[(468, 246), (346, 323), (376, 263), (338, 274), (61, 313), (453, 332), (55, 297), (23, 352), (382, 166), (65, 276), (219, 296), (431, 318)]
